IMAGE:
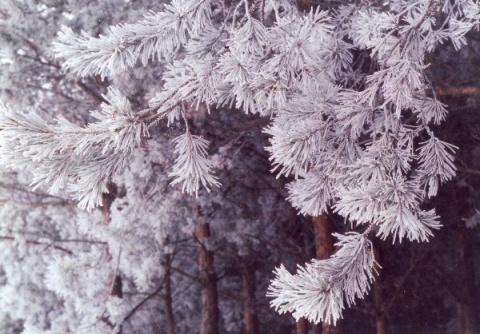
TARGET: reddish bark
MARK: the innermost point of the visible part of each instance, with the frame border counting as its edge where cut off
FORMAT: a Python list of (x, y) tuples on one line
[(457, 91), (305, 244), (324, 246), (302, 326), (208, 281), (249, 301), (381, 315), (467, 319), (306, 5)]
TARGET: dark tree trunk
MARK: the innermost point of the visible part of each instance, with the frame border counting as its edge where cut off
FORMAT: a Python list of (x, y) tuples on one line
[(306, 5), (249, 300), (302, 326), (466, 296), (115, 291), (107, 200), (467, 315), (307, 252), (324, 246), (168, 297), (381, 315), (117, 287), (208, 281)]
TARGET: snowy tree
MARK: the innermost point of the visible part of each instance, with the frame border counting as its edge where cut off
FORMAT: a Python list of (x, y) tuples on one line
[(353, 112)]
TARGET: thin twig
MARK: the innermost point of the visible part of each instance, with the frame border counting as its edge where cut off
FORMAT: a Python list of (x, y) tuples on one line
[(35, 242), (150, 296), (183, 273), (91, 92)]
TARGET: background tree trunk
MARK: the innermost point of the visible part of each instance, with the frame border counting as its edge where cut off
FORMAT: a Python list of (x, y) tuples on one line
[(208, 281), (306, 251), (249, 300), (305, 5), (324, 246), (464, 276), (302, 326), (107, 200), (467, 310), (168, 296), (381, 321)]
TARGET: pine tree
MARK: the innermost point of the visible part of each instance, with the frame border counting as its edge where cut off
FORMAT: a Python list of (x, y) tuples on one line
[(353, 118)]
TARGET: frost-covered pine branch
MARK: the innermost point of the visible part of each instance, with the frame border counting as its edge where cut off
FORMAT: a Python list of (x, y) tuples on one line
[(319, 290), (351, 103), (192, 168), (158, 35), (85, 158)]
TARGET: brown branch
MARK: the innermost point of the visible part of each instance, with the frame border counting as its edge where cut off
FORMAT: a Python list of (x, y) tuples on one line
[(456, 91), (37, 59), (53, 91), (17, 187), (262, 11), (82, 241), (150, 296), (469, 171), (35, 242), (256, 123), (91, 92), (183, 273), (42, 204)]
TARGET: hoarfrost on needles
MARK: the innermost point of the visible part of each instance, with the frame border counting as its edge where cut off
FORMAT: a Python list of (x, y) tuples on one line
[(346, 134)]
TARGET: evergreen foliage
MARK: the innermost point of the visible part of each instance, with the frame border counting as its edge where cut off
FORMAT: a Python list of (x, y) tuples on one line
[(353, 125)]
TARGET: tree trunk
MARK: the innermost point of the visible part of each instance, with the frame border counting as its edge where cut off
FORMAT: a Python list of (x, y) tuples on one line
[(467, 316), (381, 315), (117, 291), (302, 326), (208, 281), (249, 300), (322, 229), (107, 200), (307, 245), (168, 297), (117, 286), (381, 321), (324, 246), (466, 299), (306, 5)]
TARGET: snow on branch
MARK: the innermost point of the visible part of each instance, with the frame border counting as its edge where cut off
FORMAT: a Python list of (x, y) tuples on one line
[(393, 205), (252, 37), (192, 168), (436, 163), (430, 109), (105, 55), (319, 290), (399, 221), (83, 157), (158, 34), (313, 194)]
